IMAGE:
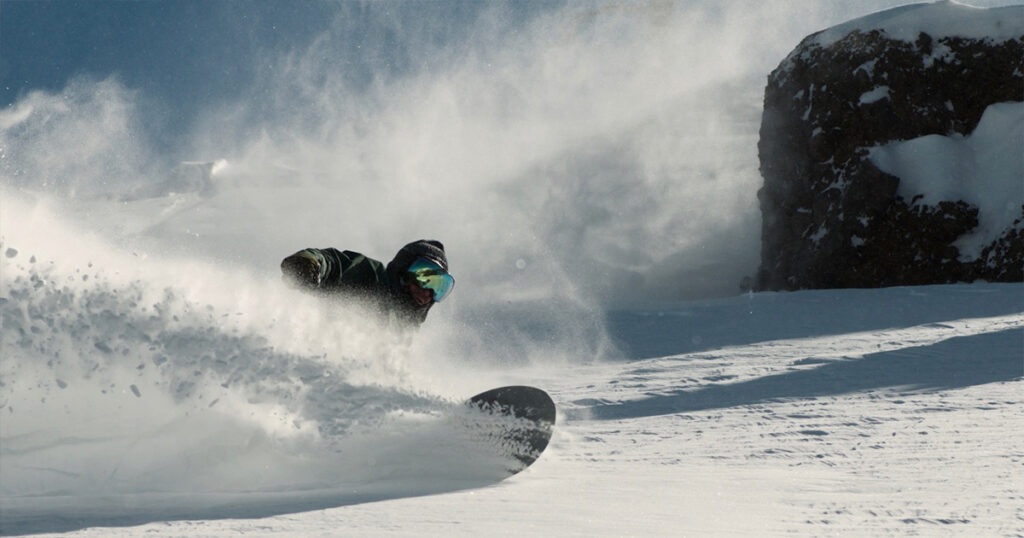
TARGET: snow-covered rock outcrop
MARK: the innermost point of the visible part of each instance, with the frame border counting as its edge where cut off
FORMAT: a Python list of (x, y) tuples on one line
[(892, 151)]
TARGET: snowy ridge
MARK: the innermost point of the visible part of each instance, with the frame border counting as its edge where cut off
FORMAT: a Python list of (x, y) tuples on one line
[(942, 18), (938, 19)]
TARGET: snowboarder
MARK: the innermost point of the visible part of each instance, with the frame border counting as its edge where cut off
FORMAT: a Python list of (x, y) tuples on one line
[(404, 290)]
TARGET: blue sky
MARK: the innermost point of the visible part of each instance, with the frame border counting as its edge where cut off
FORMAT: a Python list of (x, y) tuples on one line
[(186, 56)]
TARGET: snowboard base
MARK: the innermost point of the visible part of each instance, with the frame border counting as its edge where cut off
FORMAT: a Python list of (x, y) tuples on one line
[(525, 420)]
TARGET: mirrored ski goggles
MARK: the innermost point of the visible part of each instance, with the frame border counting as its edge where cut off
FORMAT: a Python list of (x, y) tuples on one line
[(431, 276)]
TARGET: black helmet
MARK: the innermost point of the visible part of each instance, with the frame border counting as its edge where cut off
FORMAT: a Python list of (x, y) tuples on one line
[(430, 249)]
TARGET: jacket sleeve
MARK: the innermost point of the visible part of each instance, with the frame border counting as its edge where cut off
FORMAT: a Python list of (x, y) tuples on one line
[(332, 270)]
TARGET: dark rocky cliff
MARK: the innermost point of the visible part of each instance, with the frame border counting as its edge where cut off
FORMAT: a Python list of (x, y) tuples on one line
[(831, 218)]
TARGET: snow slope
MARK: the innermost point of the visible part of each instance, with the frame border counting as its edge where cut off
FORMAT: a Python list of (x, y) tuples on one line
[(827, 412), (157, 379), (138, 398)]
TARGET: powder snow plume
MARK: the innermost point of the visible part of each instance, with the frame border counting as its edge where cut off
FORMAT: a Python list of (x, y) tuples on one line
[(130, 376)]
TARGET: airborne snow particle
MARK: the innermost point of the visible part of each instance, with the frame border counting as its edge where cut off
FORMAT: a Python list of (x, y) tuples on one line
[(135, 391), (11, 252)]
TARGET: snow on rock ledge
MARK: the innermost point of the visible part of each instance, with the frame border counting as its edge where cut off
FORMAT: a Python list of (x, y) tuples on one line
[(878, 169)]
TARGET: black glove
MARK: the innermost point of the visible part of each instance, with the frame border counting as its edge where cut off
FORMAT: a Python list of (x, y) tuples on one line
[(300, 270)]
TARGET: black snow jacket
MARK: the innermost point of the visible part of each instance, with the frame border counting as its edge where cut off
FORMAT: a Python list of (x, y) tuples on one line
[(354, 276)]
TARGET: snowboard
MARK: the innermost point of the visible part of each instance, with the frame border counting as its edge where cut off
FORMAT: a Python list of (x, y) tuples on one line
[(522, 422)]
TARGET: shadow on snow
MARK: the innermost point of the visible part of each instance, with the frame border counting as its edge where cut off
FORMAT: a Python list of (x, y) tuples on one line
[(761, 317), (950, 364), (131, 510)]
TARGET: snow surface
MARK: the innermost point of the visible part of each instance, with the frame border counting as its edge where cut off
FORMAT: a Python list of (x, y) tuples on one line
[(858, 411), (874, 95), (158, 379)]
